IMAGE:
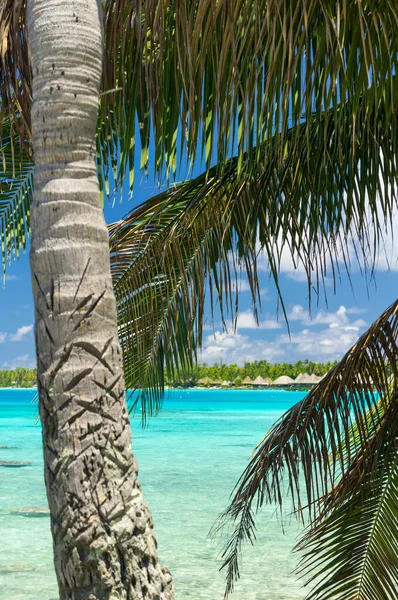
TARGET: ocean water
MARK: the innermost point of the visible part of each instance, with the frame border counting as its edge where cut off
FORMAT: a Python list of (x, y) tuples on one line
[(190, 457)]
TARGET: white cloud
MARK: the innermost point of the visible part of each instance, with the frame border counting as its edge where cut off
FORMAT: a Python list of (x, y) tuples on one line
[(20, 361), (334, 335), (246, 320), (335, 319), (2, 337), (237, 348), (21, 333), (327, 344)]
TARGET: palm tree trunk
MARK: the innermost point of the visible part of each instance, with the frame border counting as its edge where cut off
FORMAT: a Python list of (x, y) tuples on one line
[(104, 544)]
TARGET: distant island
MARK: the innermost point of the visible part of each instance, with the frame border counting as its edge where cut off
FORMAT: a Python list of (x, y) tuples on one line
[(18, 378), (252, 374), (204, 375)]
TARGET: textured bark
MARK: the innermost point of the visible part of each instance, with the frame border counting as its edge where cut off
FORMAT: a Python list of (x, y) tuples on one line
[(104, 544)]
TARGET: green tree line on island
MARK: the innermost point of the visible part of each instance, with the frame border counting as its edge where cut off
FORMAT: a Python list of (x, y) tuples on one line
[(222, 372), (18, 378), (25, 378)]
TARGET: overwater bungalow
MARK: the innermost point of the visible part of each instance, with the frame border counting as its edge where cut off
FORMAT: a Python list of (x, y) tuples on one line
[(283, 380), (259, 381), (315, 379), (303, 379)]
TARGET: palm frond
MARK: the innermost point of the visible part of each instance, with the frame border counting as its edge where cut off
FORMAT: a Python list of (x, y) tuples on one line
[(351, 551), (210, 76), (160, 257), (214, 77), (16, 188), (313, 441), (213, 227)]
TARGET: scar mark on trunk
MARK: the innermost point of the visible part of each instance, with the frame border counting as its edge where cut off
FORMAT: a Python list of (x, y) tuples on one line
[(110, 389), (66, 403), (99, 356), (81, 278), (81, 305), (73, 419), (52, 295), (77, 379), (61, 362), (89, 312), (41, 291), (45, 325)]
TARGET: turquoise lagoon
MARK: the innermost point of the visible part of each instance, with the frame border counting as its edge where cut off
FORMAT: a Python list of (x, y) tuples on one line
[(190, 457)]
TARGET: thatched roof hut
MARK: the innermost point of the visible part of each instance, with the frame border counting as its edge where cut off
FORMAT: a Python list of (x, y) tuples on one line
[(247, 381), (303, 379), (283, 380), (226, 383), (315, 379), (259, 381)]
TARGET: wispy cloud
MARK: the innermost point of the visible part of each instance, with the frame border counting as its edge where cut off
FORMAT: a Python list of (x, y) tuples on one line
[(356, 310), (24, 360), (327, 336), (21, 333), (246, 320), (323, 317), (237, 348)]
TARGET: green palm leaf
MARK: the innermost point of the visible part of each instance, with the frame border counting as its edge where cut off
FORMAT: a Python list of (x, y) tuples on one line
[(213, 228), (154, 271), (342, 440), (351, 552), (16, 181), (210, 77), (207, 76)]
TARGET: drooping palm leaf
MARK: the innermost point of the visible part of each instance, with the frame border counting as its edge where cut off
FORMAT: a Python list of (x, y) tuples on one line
[(351, 551), (314, 440), (215, 75), (215, 225), (160, 256), (211, 75), (16, 181)]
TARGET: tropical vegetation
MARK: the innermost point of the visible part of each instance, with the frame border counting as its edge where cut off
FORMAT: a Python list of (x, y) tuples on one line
[(23, 377), (262, 368), (293, 108), (20, 377)]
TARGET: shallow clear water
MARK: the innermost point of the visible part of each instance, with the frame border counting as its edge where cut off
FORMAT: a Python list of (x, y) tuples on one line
[(190, 457)]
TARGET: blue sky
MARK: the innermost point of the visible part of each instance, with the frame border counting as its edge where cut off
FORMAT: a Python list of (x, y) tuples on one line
[(324, 335)]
